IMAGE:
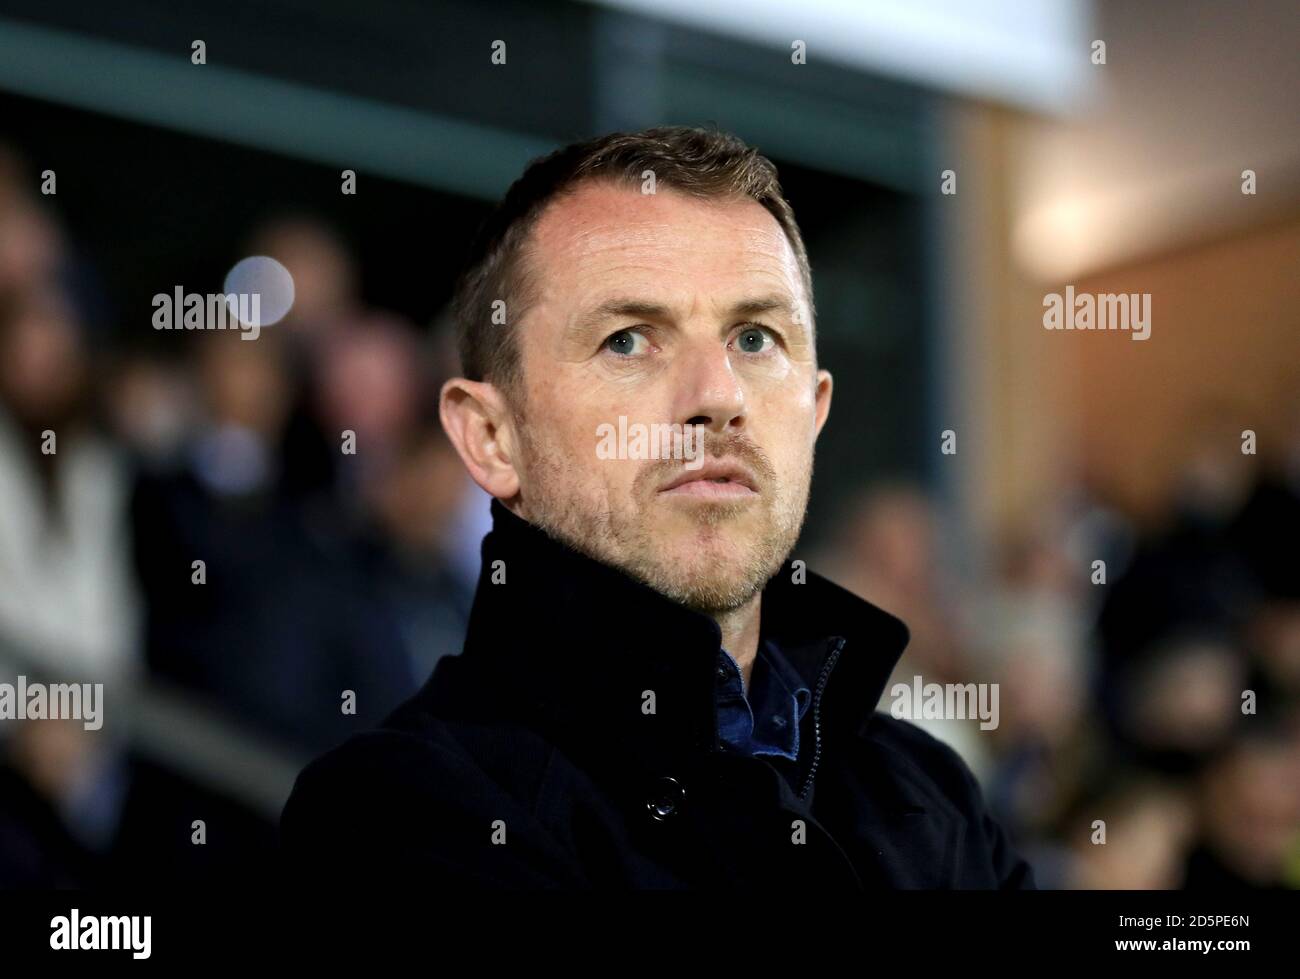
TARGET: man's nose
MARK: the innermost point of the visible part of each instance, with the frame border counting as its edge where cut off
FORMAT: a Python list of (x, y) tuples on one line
[(710, 392)]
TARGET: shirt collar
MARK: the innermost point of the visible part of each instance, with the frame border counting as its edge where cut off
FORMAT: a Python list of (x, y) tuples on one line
[(780, 676), (763, 720)]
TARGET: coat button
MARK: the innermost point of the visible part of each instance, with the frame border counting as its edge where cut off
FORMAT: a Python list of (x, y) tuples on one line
[(666, 799)]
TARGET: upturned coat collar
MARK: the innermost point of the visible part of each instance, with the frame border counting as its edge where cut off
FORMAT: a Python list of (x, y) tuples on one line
[(572, 647)]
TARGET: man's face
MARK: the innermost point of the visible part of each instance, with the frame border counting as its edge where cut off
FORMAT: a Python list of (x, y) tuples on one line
[(665, 309)]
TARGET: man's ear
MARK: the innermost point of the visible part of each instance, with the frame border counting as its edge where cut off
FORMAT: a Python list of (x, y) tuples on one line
[(477, 420), (824, 385)]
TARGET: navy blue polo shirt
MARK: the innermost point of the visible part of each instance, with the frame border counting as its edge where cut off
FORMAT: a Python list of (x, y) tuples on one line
[(766, 722)]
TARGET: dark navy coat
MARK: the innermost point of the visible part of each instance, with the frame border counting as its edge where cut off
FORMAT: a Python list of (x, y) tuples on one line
[(573, 744)]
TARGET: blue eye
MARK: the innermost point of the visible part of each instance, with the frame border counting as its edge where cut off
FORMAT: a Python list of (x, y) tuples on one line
[(752, 339), (624, 342)]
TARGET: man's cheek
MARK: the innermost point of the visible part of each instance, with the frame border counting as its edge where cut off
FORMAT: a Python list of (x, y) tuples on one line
[(571, 444), (801, 398)]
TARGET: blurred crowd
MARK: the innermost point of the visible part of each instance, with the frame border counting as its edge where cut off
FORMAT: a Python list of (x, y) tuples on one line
[(199, 537), (1121, 706), (1148, 671)]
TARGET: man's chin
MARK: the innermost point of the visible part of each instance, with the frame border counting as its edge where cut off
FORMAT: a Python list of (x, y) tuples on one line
[(708, 593), (707, 570)]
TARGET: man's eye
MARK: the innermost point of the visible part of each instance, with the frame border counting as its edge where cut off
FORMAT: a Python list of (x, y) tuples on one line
[(625, 342), (754, 339)]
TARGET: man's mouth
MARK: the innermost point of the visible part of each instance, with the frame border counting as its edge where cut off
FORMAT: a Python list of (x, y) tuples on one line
[(715, 480)]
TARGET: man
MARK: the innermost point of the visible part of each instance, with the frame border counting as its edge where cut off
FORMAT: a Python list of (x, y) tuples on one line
[(651, 692)]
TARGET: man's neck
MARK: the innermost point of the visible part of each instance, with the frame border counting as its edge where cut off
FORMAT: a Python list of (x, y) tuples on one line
[(740, 634)]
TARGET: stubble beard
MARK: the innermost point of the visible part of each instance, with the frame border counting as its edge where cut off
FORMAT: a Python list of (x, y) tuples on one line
[(724, 565)]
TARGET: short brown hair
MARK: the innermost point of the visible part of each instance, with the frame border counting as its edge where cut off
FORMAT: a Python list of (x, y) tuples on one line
[(705, 163)]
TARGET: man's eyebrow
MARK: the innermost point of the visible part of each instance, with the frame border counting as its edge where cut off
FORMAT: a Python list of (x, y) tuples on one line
[(589, 322), (763, 304), (612, 308), (642, 309)]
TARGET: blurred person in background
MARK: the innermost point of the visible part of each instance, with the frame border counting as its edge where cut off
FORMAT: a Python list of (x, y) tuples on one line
[(326, 279), (1132, 832), (1188, 570), (31, 246), (69, 606), (890, 554), (1179, 702), (65, 585), (151, 406), (1248, 804), (418, 508), (278, 624), (66, 594), (1032, 639), (1189, 575), (326, 299), (1267, 534), (404, 491), (369, 378)]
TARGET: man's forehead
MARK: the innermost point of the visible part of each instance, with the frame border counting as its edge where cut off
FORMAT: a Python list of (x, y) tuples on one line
[(602, 224)]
